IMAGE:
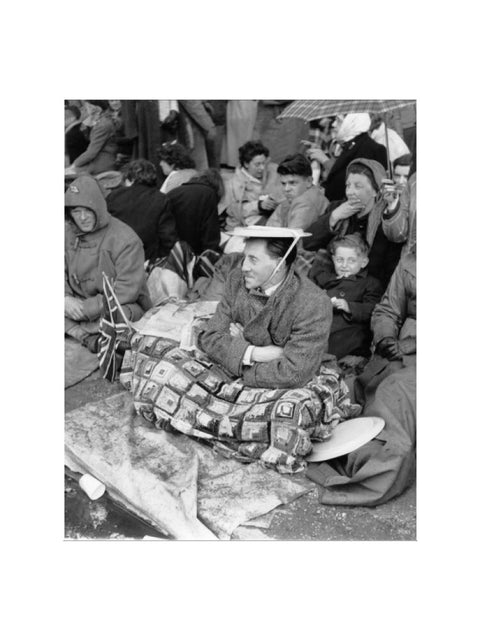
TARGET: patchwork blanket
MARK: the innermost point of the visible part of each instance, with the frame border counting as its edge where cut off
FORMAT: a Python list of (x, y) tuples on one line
[(181, 390)]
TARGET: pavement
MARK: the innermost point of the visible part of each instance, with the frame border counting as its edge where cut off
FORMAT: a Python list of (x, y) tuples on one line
[(304, 519)]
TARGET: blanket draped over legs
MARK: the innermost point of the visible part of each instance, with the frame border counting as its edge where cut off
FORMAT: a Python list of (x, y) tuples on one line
[(185, 391)]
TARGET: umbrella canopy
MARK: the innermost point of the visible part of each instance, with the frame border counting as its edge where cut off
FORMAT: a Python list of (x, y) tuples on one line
[(315, 109)]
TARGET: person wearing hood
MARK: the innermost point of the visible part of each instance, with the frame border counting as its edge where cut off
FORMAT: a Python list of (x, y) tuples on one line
[(361, 212), (352, 135), (97, 243)]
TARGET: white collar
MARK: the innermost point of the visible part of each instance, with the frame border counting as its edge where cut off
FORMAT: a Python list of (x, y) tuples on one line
[(271, 289), (249, 176)]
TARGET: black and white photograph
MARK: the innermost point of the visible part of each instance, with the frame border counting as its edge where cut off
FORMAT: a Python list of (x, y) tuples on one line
[(296, 221)]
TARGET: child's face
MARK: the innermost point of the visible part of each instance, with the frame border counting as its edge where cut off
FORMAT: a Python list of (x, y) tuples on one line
[(347, 261), (294, 185)]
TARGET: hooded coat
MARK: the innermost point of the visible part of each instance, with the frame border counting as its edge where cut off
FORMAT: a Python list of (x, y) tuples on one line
[(111, 247), (296, 317), (384, 254)]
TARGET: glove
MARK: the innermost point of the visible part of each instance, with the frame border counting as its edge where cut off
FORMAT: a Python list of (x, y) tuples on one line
[(388, 347)]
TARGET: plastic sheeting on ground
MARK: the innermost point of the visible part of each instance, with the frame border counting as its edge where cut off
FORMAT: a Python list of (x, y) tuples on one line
[(178, 485)]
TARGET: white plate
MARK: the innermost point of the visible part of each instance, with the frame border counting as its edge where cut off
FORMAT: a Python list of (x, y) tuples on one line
[(347, 437)]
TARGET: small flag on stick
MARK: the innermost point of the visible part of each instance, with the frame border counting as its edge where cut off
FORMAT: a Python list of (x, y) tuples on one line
[(114, 328)]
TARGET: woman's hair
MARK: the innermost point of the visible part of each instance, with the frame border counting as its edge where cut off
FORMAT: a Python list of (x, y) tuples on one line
[(295, 165), (213, 178), (403, 160), (279, 246), (251, 149), (354, 241), (360, 169), (176, 155), (140, 172), (103, 104)]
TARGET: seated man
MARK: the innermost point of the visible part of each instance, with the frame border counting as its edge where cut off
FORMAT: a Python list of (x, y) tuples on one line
[(304, 203), (97, 243), (271, 326)]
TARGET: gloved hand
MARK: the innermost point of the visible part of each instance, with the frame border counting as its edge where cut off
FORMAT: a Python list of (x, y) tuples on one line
[(388, 347)]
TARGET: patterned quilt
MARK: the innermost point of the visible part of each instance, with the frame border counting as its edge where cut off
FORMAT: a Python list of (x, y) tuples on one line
[(181, 390)]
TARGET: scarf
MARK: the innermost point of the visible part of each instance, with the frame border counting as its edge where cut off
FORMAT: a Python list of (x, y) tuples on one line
[(352, 125)]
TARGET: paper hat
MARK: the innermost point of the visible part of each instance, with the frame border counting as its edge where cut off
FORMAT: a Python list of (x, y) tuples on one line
[(269, 232)]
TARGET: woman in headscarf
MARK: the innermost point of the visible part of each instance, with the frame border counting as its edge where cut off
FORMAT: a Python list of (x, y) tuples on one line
[(361, 211), (354, 141)]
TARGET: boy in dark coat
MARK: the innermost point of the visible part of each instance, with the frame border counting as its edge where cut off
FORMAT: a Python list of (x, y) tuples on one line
[(353, 292)]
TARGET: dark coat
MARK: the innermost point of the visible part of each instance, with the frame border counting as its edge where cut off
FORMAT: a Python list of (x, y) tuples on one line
[(360, 147), (75, 142), (350, 333), (296, 317), (384, 255), (148, 213), (194, 208)]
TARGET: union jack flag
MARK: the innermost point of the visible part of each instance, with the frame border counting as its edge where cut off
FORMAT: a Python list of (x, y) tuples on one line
[(114, 329)]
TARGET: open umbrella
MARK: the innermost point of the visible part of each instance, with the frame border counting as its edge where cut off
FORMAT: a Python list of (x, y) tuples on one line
[(315, 109)]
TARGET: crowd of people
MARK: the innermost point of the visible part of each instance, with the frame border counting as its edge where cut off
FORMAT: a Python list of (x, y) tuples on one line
[(325, 236)]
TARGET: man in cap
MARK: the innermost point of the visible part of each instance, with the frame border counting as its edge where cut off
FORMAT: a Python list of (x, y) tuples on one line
[(272, 324)]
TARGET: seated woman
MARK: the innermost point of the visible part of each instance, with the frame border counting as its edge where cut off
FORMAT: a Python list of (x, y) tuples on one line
[(101, 152), (361, 212), (176, 164), (97, 243), (272, 324), (254, 189), (147, 211)]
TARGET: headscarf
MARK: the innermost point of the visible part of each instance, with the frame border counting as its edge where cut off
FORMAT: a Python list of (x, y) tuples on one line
[(396, 145), (353, 125)]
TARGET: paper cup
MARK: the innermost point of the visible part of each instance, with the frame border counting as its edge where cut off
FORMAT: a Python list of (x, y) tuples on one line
[(91, 486)]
